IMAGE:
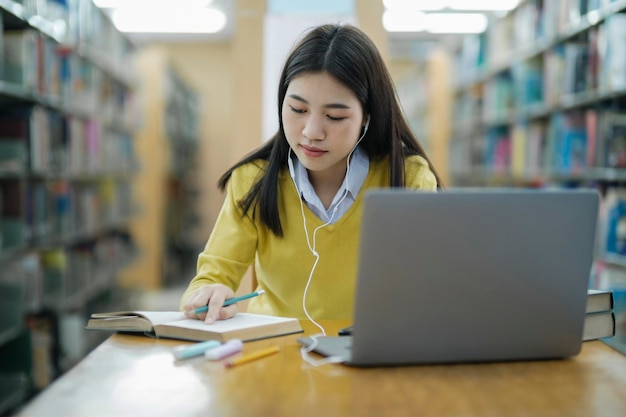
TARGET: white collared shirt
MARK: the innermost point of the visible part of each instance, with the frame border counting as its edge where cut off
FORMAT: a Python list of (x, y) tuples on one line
[(359, 167)]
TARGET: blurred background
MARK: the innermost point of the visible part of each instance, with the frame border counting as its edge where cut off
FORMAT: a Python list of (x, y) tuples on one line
[(118, 117)]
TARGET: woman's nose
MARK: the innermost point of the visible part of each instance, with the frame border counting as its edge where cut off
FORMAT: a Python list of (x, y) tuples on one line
[(313, 129)]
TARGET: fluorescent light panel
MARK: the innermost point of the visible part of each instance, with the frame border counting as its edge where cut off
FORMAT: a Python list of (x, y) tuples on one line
[(456, 23), (116, 4), (414, 5), (164, 16), (168, 20), (404, 22), (435, 5), (484, 5), (434, 22)]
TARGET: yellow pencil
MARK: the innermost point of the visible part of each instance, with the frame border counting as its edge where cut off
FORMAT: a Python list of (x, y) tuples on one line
[(252, 356)]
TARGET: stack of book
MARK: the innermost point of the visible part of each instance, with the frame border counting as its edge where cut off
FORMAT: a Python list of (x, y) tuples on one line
[(600, 318)]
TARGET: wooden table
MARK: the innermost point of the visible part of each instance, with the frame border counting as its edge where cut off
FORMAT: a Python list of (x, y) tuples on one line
[(137, 376)]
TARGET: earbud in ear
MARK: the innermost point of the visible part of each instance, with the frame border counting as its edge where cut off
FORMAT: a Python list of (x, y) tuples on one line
[(366, 126)]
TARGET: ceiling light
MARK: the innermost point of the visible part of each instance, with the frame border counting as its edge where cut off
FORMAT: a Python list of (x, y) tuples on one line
[(413, 5), (432, 5), (168, 20), (116, 4), (484, 5), (456, 23), (395, 21)]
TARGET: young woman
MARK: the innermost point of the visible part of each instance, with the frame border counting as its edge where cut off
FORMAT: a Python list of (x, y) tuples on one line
[(293, 206)]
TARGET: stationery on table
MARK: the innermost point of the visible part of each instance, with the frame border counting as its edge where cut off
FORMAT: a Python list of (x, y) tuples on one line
[(252, 356), (197, 349), (174, 325), (229, 348)]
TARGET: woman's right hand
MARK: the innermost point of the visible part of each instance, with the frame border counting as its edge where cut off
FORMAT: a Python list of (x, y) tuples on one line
[(214, 296)]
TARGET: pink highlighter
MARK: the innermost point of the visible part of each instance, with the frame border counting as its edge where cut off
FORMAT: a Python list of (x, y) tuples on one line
[(229, 348)]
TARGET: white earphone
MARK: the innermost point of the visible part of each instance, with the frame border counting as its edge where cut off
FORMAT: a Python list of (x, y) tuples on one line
[(306, 232)]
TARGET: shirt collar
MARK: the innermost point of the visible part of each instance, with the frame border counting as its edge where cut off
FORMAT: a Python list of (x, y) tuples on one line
[(359, 167)]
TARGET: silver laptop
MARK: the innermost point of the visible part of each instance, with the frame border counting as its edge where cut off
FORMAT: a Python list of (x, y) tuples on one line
[(475, 275)]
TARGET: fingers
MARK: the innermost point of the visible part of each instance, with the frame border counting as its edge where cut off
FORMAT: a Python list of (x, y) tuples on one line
[(215, 305), (227, 312), (212, 296), (197, 299)]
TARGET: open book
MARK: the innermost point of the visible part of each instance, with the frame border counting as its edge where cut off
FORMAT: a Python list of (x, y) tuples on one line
[(174, 325)]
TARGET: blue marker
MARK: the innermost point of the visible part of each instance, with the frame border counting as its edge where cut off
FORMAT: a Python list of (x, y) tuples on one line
[(197, 349), (230, 301)]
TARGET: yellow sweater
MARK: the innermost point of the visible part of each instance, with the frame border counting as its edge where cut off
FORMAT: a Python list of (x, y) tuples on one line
[(283, 265)]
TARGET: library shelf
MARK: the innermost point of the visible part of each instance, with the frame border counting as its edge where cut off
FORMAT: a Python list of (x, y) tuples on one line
[(67, 163), (541, 102)]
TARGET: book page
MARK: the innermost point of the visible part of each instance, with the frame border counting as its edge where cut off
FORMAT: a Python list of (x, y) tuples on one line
[(240, 321), (162, 317)]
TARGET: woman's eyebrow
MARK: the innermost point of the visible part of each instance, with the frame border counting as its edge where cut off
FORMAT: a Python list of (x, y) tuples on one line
[(329, 105)]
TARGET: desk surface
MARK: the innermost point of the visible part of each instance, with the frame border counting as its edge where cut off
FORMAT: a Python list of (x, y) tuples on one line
[(137, 376)]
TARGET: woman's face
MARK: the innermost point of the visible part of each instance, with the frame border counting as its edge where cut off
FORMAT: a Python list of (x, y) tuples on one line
[(322, 119)]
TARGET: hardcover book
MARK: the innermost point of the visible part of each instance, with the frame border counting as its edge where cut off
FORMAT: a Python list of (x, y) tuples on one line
[(174, 325)]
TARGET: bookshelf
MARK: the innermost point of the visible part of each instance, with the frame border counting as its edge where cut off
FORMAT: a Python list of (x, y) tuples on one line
[(167, 186), (428, 111), (66, 164), (182, 126), (539, 101)]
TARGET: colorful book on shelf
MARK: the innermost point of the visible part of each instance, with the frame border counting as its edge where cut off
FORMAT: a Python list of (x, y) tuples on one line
[(174, 325), (611, 147)]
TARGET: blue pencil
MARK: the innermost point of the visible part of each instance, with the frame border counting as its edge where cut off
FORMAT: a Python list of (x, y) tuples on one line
[(230, 301)]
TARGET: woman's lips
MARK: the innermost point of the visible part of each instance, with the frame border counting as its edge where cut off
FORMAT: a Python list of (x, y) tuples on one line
[(312, 152)]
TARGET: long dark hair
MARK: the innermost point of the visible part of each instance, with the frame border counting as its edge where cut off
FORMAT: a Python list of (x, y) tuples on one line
[(349, 55)]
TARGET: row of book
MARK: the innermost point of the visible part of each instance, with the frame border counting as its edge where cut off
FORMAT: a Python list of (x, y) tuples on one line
[(75, 23), (41, 212), (535, 71), (588, 142), (38, 65), (61, 277), (40, 296), (535, 21), (611, 235), (35, 139), (67, 114)]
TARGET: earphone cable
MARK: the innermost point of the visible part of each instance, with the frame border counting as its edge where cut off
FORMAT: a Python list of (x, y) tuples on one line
[(312, 248)]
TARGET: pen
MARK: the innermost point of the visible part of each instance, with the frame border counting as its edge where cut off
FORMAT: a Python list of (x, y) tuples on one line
[(197, 349), (252, 356), (230, 301)]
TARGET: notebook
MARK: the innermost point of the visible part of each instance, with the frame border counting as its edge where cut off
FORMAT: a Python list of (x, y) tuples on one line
[(469, 275)]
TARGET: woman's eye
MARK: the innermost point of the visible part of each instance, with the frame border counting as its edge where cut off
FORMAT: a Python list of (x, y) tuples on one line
[(335, 119), (299, 111)]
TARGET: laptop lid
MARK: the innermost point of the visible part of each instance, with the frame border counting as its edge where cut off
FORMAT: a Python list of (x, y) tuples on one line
[(470, 275)]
